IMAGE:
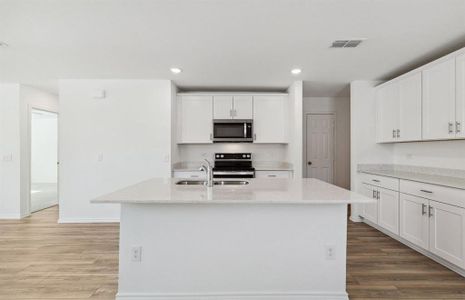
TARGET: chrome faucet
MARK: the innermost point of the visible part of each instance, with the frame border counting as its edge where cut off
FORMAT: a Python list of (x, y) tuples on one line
[(209, 170)]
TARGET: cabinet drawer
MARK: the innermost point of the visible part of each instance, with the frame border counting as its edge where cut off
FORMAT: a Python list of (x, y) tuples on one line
[(438, 193), (381, 181), (189, 174), (273, 174)]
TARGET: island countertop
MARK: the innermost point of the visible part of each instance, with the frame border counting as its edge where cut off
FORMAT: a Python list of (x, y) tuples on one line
[(258, 191)]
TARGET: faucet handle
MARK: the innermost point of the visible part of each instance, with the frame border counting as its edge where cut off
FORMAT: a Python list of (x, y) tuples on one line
[(208, 163)]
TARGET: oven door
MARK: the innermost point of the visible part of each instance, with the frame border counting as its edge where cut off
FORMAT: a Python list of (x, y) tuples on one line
[(239, 131)]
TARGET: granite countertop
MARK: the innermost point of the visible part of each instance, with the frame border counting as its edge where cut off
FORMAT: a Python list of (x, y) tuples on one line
[(448, 181), (258, 191), (188, 166)]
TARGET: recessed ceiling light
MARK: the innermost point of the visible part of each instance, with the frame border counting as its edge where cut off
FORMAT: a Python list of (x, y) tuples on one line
[(3, 44), (175, 70), (296, 71)]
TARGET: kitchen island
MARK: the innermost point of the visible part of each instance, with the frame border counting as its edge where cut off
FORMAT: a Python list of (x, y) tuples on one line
[(268, 239)]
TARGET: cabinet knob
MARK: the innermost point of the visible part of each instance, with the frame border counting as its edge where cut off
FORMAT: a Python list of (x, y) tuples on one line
[(309, 163)]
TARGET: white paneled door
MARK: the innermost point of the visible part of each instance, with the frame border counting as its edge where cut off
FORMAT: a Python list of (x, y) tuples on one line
[(320, 146)]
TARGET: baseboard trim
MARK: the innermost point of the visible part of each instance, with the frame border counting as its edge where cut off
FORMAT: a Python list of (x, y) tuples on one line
[(10, 216), (234, 296), (420, 250), (87, 220)]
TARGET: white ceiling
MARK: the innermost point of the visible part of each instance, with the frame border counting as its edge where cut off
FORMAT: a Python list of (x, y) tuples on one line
[(227, 44)]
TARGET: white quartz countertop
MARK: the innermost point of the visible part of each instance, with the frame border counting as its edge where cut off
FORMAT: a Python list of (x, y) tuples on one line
[(258, 191), (449, 181)]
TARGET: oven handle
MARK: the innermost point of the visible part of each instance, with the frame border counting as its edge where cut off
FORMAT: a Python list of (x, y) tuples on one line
[(245, 129), (233, 173)]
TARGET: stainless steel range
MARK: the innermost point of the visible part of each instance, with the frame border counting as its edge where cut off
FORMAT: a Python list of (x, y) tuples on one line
[(233, 165)]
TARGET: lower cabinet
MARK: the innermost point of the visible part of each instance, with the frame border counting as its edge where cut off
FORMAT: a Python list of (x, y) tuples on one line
[(414, 222), (388, 209), (385, 211), (447, 232), (434, 226), (370, 210)]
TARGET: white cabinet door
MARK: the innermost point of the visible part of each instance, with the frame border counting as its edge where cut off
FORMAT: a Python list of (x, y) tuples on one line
[(388, 210), (270, 119), (460, 100), (414, 220), (195, 119), (369, 211), (410, 108), (387, 112), (273, 174), (447, 232), (439, 101), (243, 107), (222, 107)]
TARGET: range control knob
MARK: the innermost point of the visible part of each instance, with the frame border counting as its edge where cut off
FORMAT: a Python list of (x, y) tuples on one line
[(222, 155)]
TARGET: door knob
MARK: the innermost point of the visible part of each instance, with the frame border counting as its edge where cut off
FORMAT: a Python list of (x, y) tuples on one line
[(309, 163)]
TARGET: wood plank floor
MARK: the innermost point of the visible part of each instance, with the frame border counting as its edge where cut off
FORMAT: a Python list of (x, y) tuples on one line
[(40, 259)]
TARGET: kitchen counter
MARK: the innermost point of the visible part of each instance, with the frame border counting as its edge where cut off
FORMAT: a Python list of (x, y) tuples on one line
[(448, 181), (258, 191), (282, 239)]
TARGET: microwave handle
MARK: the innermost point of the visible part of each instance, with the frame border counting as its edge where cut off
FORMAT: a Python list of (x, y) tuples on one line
[(245, 129)]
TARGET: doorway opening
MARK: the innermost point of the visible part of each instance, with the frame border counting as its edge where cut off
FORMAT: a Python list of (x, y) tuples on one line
[(320, 146), (44, 160)]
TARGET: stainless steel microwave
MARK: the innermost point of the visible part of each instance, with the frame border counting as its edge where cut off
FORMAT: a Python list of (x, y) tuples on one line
[(232, 131)]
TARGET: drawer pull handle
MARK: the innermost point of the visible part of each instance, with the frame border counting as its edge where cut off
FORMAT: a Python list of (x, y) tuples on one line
[(272, 175), (423, 209), (375, 180), (426, 191)]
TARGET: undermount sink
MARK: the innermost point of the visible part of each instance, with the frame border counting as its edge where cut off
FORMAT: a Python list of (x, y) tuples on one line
[(203, 182)]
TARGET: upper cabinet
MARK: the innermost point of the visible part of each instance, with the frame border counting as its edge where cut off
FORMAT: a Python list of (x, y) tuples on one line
[(232, 107), (398, 110), (439, 101), (270, 119), (426, 104), (460, 97), (196, 112), (194, 119)]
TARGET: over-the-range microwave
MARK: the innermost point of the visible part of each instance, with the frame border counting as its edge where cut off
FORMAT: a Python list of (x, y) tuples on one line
[(232, 131)]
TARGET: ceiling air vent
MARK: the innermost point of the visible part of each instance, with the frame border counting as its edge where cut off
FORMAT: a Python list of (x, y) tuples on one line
[(346, 43)]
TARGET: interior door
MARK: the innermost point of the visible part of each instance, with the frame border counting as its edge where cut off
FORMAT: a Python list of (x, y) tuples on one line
[(387, 112), (447, 236), (439, 101), (243, 107), (388, 210), (414, 220), (460, 100), (409, 108), (320, 146), (222, 107)]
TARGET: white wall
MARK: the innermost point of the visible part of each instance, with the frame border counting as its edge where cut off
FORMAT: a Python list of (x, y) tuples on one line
[(294, 153), (107, 144), (340, 107), (9, 151), (439, 154), (363, 133), (44, 147)]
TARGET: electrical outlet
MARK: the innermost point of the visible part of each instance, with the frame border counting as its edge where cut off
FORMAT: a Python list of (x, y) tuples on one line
[(100, 157), (330, 252), (136, 253)]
